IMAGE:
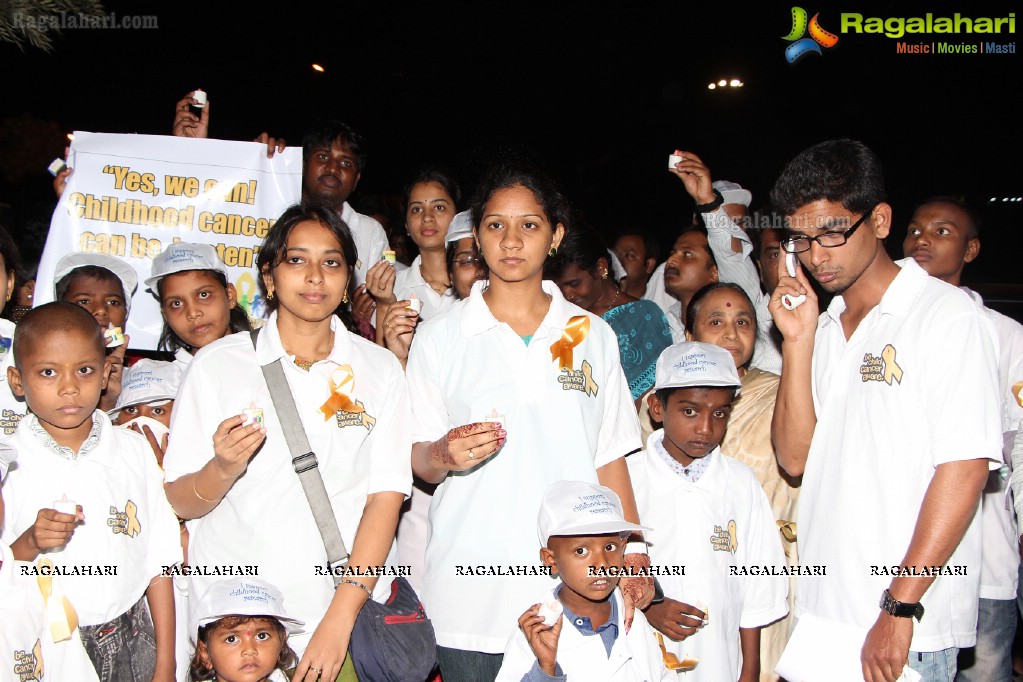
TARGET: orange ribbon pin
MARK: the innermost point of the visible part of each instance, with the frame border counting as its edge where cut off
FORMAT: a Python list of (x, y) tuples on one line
[(342, 382), (575, 331)]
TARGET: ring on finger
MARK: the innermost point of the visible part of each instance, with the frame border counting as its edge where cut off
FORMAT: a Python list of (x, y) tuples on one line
[(316, 670), (472, 455)]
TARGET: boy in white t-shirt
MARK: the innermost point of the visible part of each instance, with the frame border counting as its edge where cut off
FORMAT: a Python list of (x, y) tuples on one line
[(578, 632), (111, 540), (31, 648), (710, 515)]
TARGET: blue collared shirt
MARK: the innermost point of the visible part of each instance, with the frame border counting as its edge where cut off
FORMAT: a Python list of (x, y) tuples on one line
[(608, 633)]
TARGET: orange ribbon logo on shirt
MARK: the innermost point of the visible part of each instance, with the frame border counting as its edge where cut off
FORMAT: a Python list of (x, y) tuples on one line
[(60, 614), (891, 368), (342, 382), (576, 330)]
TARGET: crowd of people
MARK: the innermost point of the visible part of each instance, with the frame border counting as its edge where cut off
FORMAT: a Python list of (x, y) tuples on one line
[(572, 453)]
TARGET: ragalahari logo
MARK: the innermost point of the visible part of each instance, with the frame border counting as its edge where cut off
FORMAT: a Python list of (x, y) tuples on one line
[(802, 46)]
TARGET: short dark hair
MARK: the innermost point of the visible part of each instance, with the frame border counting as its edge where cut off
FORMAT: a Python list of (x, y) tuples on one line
[(336, 131), (973, 229), (238, 319), (581, 247), (700, 229), (842, 171), (651, 244), (275, 246), (434, 174), (9, 252), (94, 271), (58, 317), (197, 670), (511, 174)]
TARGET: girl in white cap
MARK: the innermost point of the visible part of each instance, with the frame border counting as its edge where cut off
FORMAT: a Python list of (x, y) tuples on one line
[(240, 630), (198, 304)]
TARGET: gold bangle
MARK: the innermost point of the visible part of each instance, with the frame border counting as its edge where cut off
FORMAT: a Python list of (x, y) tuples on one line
[(349, 581), (197, 492)]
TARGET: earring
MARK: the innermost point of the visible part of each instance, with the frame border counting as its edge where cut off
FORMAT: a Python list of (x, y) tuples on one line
[(603, 275), (270, 295), (344, 297), (553, 253)]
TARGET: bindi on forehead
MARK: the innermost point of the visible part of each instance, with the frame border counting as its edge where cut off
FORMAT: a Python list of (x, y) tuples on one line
[(728, 304)]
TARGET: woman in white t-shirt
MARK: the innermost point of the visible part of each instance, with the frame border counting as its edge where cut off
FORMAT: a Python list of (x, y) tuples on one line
[(245, 502), (547, 376), (431, 201)]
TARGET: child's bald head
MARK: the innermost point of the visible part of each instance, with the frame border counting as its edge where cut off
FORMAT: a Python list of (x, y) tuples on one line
[(54, 318)]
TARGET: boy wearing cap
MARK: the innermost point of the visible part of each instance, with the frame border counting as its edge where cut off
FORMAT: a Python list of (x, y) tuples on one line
[(240, 631), (147, 397), (710, 514), (583, 533), (103, 285), (112, 563)]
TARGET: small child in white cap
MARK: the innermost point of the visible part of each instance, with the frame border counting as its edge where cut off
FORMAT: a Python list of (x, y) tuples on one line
[(710, 514), (240, 631), (148, 389), (578, 631)]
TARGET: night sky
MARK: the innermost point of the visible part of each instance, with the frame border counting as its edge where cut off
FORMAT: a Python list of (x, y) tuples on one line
[(599, 93)]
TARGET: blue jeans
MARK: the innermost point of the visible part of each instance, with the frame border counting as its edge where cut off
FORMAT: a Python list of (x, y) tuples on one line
[(123, 649), (935, 666), (457, 665), (991, 659)]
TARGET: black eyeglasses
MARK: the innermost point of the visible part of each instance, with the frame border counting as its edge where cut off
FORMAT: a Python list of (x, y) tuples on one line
[(829, 240)]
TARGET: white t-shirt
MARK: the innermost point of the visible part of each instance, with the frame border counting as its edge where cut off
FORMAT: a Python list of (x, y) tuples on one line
[(635, 656), (914, 387), (129, 526), (12, 408), (265, 520), (1000, 566), (719, 525), (370, 240), (410, 280), (27, 649), (656, 292), (463, 365)]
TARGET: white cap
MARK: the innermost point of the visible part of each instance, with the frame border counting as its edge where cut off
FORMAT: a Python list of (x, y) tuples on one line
[(691, 363), (581, 508), (182, 256), (148, 381), (733, 193), (8, 455), (460, 227), (123, 271), (240, 597)]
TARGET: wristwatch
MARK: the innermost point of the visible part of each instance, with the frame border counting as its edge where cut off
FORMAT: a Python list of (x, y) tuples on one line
[(712, 205), (900, 609)]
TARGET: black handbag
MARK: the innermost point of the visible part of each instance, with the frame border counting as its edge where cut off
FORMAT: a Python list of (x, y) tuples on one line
[(390, 642)]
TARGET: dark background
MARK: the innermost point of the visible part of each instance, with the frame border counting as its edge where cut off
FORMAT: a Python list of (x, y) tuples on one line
[(599, 93)]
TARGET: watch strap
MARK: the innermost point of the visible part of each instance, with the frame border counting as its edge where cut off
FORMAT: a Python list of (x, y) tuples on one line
[(712, 205), (894, 607)]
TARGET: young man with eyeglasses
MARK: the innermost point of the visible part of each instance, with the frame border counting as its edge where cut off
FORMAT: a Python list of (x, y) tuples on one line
[(888, 407)]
